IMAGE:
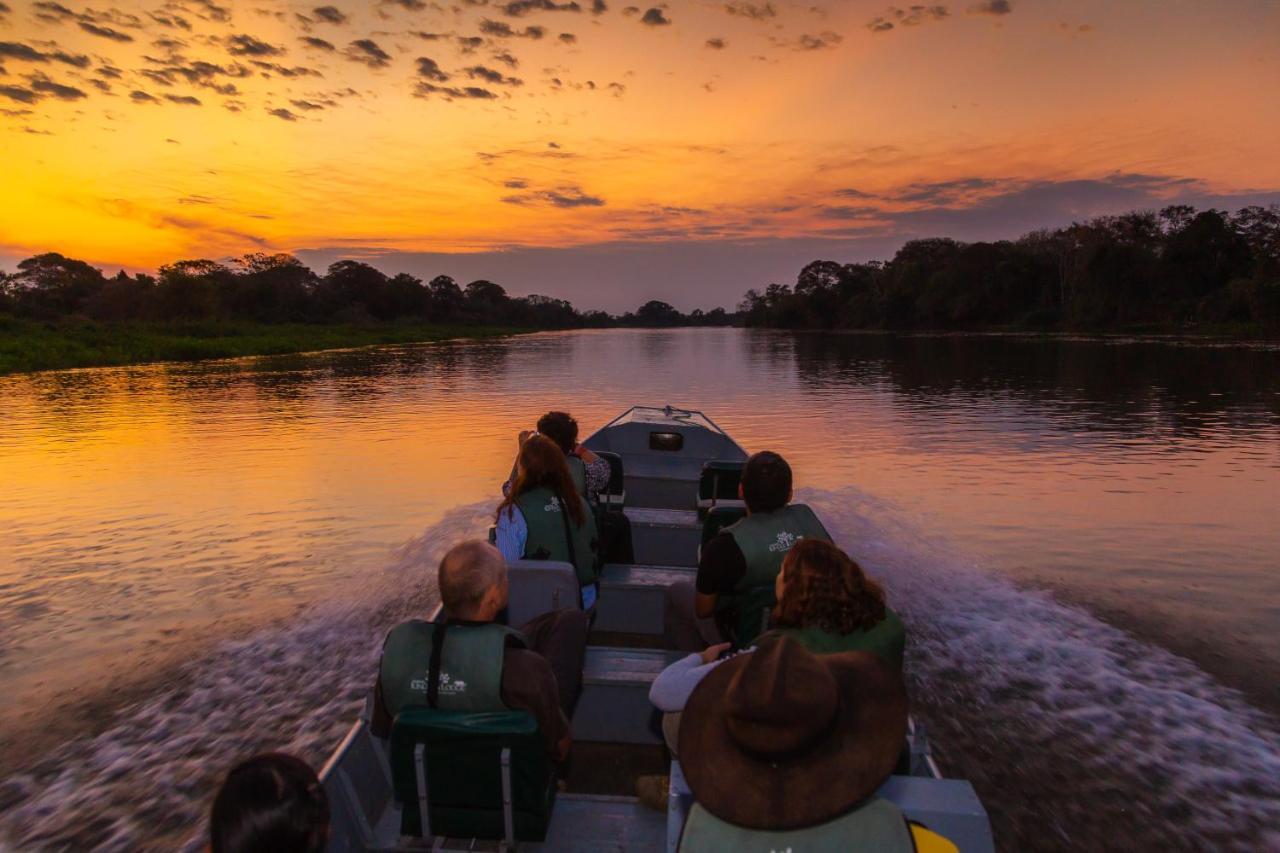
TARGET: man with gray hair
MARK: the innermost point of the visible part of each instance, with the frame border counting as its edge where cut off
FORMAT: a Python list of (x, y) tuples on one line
[(467, 661)]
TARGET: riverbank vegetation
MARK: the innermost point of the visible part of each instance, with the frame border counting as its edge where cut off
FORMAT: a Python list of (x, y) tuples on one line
[(60, 312), (27, 345), (1176, 270)]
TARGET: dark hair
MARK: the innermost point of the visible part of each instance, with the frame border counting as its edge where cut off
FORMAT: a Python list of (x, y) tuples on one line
[(766, 482), (541, 464), (561, 428), (273, 803), (825, 588)]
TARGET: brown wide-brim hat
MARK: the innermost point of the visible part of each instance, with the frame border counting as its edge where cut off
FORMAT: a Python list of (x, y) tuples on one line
[(784, 739)]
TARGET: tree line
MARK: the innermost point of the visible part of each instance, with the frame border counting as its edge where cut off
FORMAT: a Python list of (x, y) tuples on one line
[(278, 288), (1176, 268)]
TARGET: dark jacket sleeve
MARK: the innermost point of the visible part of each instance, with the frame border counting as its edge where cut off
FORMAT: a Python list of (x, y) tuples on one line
[(529, 684), (722, 565)]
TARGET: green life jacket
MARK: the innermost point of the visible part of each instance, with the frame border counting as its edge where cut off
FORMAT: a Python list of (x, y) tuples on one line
[(887, 639), (554, 536), (764, 539), (578, 471), (875, 825), (454, 667)]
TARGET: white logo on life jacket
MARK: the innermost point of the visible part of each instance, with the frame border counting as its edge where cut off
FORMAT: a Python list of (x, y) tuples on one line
[(553, 505), (449, 685), (785, 541)]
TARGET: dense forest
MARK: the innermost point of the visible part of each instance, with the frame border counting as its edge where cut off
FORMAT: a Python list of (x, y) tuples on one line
[(1176, 269), (280, 289)]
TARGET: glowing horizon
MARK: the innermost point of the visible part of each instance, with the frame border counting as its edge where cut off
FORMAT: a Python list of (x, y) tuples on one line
[(149, 132)]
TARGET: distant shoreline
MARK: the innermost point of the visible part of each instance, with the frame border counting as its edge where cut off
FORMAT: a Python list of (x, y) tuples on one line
[(29, 346)]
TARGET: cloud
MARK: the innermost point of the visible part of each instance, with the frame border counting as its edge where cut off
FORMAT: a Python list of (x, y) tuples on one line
[(563, 197), (187, 100), (430, 69), (506, 58), (992, 7), (25, 53), (407, 5), (140, 97), (850, 192), (819, 42), (329, 15), (479, 72), (170, 20), (19, 94), (717, 43), (450, 93), (317, 43), (282, 113), (519, 8), (516, 184), (469, 44), (599, 7), (4, 9), (44, 86), (754, 11), (312, 106), (503, 30), (655, 17), (911, 16), (368, 52), (105, 32), (247, 45), (567, 38)]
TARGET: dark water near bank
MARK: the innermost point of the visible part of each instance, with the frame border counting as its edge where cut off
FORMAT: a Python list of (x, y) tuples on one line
[(200, 561)]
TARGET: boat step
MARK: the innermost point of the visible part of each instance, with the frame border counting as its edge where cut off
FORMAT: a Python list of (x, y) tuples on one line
[(614, 707), (665, 537), (633, 597)]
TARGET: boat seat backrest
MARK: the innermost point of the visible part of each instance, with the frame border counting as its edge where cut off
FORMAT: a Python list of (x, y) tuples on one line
[(614, 494), (755, 606), (718, 485), (718, 518), (538, 587), (460, 756)]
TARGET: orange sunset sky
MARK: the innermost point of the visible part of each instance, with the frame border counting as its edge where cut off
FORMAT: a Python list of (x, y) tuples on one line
[(611, 153)]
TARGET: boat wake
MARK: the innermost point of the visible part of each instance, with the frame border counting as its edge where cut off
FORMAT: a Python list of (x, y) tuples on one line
[(1076, 734), (146, 782)]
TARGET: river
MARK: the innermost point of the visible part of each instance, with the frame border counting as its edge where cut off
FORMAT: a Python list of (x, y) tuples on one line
[(199, 561)]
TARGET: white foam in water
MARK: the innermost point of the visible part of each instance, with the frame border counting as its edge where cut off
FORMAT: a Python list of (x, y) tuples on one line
[(976, 639), (1061, 672), (147, 782)]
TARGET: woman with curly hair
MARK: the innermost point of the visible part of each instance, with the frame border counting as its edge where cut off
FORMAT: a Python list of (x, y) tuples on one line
[(828, 604)]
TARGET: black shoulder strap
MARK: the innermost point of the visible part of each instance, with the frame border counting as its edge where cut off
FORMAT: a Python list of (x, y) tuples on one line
[(433, 668), (568, 534)]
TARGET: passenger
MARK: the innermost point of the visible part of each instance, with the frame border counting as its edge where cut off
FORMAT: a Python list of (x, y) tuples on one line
[(481, 665), (783, 750), (728, 600), (828, 604), (272, 803), (825, 602), (544, 518), (590, 473)]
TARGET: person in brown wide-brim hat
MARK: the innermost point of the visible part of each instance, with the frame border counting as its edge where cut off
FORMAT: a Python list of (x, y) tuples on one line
[(783, 739)]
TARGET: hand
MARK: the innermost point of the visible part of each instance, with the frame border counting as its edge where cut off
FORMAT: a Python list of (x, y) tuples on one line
[(712, 652), (524, 435)]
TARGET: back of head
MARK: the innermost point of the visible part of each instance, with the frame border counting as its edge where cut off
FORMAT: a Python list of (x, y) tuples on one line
[(272, 803), (541, 464), (468, 571), (561, 428), (766, 482), (826, 588)]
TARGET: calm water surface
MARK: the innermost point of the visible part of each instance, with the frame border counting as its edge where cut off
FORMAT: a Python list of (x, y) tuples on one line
[(1076, 529)]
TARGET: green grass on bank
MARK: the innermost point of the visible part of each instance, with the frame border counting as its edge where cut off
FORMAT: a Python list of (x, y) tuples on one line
[(27, 345)]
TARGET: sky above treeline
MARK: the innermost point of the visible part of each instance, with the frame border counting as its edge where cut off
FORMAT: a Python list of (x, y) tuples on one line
[(610, 153)]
